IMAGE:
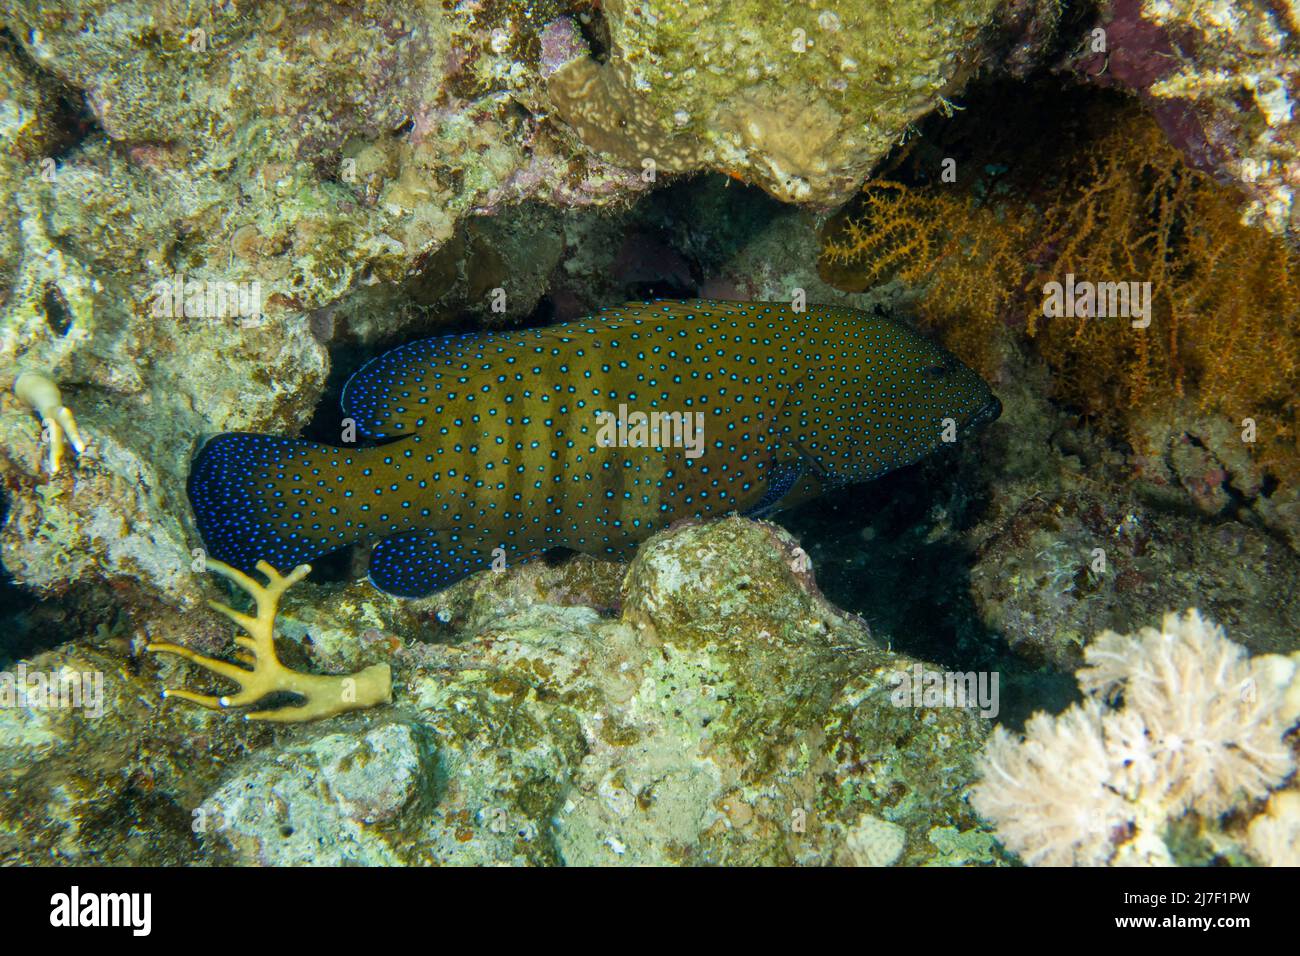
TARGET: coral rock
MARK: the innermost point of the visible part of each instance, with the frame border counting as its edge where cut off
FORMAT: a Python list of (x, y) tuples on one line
[(804, 103)]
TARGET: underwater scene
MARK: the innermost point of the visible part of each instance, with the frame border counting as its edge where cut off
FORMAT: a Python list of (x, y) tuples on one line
[(850, 433)]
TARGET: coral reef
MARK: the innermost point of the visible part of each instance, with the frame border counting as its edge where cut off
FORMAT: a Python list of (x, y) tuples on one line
[(212, 201), (711, 707), (1200, 728), (1035, 537), (238, 172), (1059, 555), (1075, 534), (1117, 204), (327, 796), (214, 213), (803, 104)]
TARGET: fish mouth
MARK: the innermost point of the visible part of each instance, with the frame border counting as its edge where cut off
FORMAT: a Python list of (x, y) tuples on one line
[(991, 411)]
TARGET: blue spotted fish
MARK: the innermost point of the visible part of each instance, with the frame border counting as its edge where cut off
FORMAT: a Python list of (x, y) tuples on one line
[(590, 435)]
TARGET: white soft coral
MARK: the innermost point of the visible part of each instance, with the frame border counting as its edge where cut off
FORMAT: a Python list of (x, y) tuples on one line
[(1175, 719), (1212, 717), (1050, 793)]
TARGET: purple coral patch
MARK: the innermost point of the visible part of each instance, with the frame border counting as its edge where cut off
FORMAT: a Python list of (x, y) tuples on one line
[(561, 45)]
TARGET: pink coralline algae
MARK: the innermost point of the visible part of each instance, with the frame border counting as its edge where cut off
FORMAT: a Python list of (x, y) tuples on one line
[(1220, 79), (561, 45)]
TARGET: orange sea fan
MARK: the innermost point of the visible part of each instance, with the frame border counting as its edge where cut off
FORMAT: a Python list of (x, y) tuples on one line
[(1119, 206)]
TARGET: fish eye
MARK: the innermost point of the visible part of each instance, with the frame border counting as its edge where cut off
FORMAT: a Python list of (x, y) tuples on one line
[(937, 371)]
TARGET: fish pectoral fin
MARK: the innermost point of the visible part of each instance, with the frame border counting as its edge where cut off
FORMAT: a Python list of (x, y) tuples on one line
[(781, 477), (807, 487), (417, 563)]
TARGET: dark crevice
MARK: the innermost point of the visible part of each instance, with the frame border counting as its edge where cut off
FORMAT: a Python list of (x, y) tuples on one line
[(595, 31), (57, 314), (71, 117)]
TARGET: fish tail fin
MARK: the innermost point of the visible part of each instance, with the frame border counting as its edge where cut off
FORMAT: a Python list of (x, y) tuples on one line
[(265, 498)]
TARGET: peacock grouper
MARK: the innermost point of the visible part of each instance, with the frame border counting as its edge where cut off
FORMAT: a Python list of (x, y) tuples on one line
[(590, 435)]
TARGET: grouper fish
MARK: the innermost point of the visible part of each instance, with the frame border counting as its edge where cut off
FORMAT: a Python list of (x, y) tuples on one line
[(491, 448)]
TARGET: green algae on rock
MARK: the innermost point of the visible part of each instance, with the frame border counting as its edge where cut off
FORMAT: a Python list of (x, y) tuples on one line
[(804, 102), (727, 714)]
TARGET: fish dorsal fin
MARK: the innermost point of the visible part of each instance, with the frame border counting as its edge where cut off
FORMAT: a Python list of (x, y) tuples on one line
[(396, 392), (399, 391), (686, 309)]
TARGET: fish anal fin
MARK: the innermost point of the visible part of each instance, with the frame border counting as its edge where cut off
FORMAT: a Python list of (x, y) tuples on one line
[(416, 563)]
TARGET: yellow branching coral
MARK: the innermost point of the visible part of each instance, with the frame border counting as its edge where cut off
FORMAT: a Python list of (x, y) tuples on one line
[(1225, 297), (894, 233), (966, 257), (323, 696), (43, 395)]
